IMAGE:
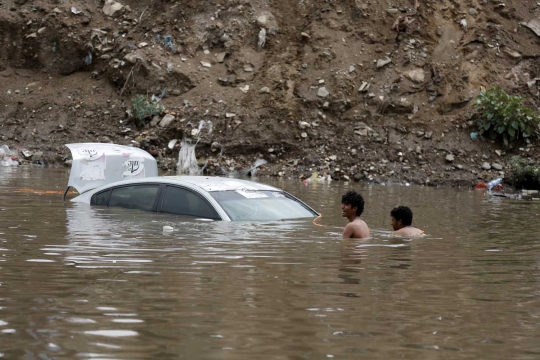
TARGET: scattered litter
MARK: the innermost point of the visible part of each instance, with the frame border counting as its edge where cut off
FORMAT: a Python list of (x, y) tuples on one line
[(111, 7), (364, 87), (172, 143), (8, 157), (88, 59), (401, 23), (262, 38), (532, 82), (161, 96), (168, 42), (244, 89), (253, 170), (75, 11), (474, 136)]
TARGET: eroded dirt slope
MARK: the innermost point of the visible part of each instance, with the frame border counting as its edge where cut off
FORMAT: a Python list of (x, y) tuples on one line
[(358, 89)]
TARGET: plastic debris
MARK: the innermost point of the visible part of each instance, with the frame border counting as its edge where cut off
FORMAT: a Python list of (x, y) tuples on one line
[(8, 157), (168, 42), (75, 11), (474, 135), (253, 170), (495, 184), (262, 38), (161, 96), (88, 59)]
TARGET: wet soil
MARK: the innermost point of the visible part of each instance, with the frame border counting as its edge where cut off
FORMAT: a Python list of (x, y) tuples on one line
[(69, 72)]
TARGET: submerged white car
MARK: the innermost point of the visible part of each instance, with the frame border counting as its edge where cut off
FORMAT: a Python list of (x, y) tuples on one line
[(120, 176)]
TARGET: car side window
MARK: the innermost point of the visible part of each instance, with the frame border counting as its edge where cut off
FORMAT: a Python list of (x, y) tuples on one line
[(101, 199), (181, 201), (140, 196)]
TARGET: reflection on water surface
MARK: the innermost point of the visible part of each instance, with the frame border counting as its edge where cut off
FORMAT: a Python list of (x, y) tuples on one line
[(87, 283)]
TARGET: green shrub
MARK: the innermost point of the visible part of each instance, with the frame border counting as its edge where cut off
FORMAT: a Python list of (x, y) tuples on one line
[(144, 109), (503, 116), (525, 176)]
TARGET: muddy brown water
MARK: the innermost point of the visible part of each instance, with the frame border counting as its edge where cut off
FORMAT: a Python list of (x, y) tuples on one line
[(81, 283)]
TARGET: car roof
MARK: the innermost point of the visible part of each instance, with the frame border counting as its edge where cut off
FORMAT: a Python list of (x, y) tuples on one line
[(205, 183), (215, 183)]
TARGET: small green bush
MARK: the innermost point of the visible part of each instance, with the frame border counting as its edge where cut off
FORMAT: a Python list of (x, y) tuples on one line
[(503, 116), (525, 176), (144, 109)]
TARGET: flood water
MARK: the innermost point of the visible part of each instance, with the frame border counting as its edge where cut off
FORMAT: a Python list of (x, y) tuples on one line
[(82, 283)]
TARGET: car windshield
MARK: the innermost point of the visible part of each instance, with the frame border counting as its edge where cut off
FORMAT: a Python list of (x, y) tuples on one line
[(260, 205)]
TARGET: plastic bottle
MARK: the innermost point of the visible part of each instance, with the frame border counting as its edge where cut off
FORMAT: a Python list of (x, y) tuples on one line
[(494, 183)]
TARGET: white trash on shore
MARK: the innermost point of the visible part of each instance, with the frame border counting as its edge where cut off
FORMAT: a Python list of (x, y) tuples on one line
[(8, 157)]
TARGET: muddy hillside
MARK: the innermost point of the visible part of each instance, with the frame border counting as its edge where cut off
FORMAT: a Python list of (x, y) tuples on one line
[(352, 89)]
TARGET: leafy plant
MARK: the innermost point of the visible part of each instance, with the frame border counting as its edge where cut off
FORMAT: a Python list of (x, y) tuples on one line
[(526, 176), (144, 109), (505, 117)]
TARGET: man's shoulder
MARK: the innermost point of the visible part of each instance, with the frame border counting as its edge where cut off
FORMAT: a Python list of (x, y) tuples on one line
[(361, 229), (409, 231), (359, 223)]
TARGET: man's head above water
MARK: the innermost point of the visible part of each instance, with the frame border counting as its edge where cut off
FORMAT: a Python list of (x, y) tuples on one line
[(354, 199), (401, 217)]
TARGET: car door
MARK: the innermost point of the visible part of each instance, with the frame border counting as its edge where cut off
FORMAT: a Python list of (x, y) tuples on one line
[(136, 196), (181, 201)]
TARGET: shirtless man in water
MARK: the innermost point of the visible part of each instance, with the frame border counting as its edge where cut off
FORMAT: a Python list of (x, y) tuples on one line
[(352, 206), (402, 220)]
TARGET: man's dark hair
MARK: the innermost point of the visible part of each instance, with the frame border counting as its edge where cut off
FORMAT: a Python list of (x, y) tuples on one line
[(354, 199), (402, 213)]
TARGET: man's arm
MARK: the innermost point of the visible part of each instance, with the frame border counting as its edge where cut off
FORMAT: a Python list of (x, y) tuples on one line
[(348, 231)]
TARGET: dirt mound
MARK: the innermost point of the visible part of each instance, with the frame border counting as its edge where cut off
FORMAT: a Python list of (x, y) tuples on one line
[(356, 89)]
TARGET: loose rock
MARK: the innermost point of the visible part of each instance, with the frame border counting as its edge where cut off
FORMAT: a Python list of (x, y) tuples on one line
[(166, 121), (416, 75), (111, 7), (221, 57), (383, 62), (322, 92)]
